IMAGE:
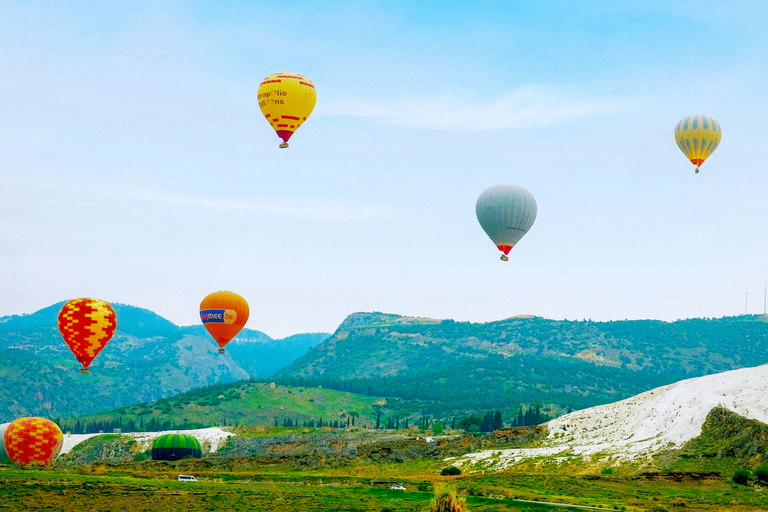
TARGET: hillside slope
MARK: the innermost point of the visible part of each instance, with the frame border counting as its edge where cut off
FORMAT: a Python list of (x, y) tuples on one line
[(244, 404), (148, 358), (666, 418), (524, 360)]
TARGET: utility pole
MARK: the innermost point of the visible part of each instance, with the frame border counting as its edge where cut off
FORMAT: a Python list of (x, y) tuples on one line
[(746, 301)]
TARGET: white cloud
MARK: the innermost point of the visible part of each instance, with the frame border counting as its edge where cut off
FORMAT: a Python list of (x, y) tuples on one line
[(531, 105), (327, 211)]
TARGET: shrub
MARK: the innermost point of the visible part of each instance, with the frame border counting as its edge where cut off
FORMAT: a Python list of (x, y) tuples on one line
[(761, 474), (140, 457), (445, 500), (741, 476), (450, 471), (607, 471), (678, 502)]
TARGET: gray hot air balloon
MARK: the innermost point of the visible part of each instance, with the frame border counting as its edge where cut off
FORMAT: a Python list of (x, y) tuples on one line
[(506, 213), (3, 453)]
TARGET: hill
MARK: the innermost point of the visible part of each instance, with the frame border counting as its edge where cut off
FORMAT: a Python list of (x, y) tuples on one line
[(724, 413), (148, 358), (462, 366), (240, 404)]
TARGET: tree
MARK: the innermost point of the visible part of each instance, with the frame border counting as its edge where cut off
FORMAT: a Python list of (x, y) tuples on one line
[(761, 474), (487, 424), (497, 422)]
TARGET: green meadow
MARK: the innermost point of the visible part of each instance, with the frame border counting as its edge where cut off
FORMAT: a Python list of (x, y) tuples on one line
[(240, 485)]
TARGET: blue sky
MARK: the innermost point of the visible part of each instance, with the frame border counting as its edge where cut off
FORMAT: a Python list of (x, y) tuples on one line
[(136, 165)]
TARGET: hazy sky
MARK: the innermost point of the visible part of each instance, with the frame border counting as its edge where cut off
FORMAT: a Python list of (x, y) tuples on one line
[(136, 166)]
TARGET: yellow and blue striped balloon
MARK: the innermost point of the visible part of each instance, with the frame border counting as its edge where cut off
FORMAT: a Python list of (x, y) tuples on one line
[(698, 137)]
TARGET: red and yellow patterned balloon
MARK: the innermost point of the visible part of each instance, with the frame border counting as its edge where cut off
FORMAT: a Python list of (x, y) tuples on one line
[(87, 325), (29, 440)]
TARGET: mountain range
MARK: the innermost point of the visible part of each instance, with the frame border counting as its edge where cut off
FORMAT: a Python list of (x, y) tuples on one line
[(469, 367), (428, 367), (148, 358)]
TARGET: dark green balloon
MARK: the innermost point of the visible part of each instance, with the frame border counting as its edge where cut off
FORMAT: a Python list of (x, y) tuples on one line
[(176, 447), (3, 453)]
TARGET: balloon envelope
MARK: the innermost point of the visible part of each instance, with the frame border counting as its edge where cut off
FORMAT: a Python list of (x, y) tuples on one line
[(286, 100), (4, 459), (506, 213), (87, 325), (697, 136), (29, 440), (176, 447), (223, 314)]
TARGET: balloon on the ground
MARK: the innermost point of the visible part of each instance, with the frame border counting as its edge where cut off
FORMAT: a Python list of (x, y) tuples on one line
[(176, 447), (4, 459), (286, 100), (506, 213), (87, 325), (223, 314), (697, 136), (30, 440)]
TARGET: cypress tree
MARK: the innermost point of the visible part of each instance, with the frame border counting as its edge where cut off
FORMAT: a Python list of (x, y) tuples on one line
[(497, 422)]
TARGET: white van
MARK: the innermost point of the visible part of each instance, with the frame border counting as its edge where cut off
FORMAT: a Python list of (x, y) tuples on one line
[(187, 478)]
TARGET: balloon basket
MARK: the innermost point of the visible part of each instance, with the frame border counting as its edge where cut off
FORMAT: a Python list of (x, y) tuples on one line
[(221, 351), (504, 257), (84, 370), (697, 170), (283, 145)]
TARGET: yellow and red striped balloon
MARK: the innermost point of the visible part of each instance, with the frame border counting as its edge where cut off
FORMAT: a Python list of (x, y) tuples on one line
[(87, 325), (29, 440), (286, 100)]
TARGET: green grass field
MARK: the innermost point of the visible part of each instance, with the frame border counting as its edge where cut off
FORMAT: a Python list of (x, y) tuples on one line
[(152, 486)]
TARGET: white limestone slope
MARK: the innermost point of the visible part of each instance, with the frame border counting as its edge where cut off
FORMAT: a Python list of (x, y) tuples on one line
[(210, 438), (663, 418)]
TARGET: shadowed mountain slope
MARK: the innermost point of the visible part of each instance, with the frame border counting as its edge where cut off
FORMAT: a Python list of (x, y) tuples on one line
[(148, 358)]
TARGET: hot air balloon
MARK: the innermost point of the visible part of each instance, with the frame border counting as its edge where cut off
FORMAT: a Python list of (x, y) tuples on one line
[(698, 137), (286, 100), (29, 440), (87, 325), (4, 459), (506, 213), (176, 447), (223, 314)]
